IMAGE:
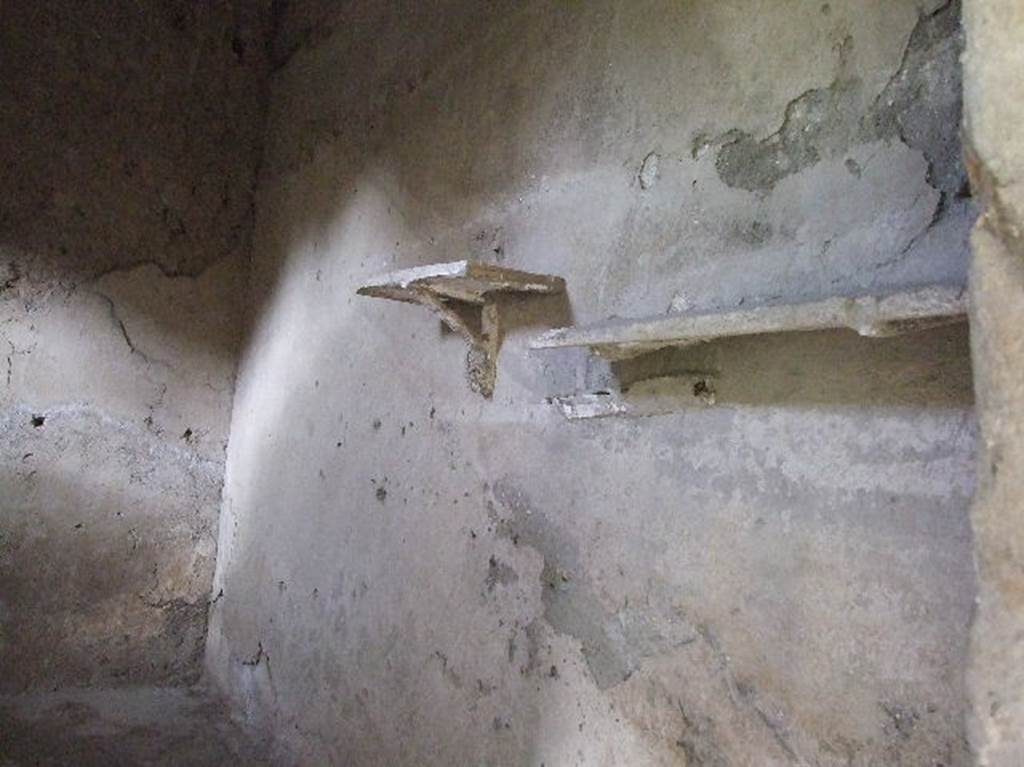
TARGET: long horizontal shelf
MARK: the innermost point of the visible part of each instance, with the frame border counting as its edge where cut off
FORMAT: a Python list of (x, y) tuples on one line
[(465, 281), (874, 316)]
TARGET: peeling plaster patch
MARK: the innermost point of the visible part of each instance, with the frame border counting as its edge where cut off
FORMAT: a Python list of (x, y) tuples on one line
[(499, 573), (702, 143), (648, 174), (920, 106), (923, 102), (613, 642), (816, 123)]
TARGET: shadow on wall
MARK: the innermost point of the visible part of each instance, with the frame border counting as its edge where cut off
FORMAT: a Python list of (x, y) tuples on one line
[(926, 369), (105, 556), (353, 546), (131, 132)]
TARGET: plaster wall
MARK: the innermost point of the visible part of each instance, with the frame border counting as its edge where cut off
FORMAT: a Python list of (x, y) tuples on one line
[(409, 574), (130, 139)]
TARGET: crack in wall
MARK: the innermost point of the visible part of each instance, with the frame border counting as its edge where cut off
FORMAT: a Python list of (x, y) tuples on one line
[(613, 643), (10, 361), (746, 695), (123, 332), (169, 273), (913, 242), (698, 741), (9, 358)]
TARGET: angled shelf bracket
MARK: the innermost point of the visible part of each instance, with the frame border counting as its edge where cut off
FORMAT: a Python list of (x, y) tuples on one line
[(875, 316), (463, 295)]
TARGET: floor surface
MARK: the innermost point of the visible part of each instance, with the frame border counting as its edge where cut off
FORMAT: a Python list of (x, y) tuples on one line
[(139, 727)]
